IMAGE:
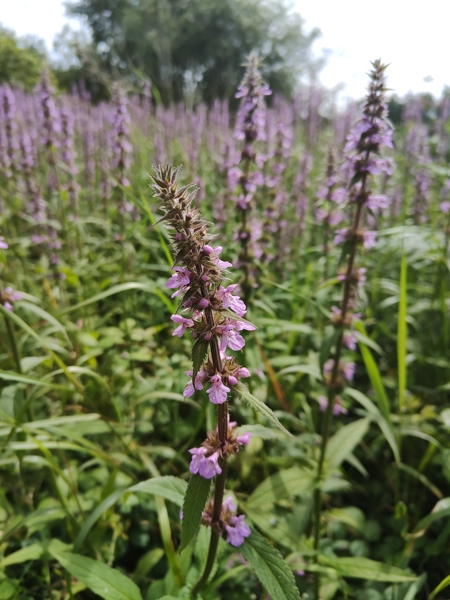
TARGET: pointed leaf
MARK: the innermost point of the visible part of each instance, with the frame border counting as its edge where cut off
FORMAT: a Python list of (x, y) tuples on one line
[(344, 441), (269, 567), (170, 488), (402, 333), (286, 483), (98, 577), (197, 494), (199, 350), (32, 552), (259, 406), (385, 425), (364, 568), (374, 375)]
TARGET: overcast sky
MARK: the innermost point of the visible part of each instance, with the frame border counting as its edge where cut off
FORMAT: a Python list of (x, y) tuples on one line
[(412, 37)]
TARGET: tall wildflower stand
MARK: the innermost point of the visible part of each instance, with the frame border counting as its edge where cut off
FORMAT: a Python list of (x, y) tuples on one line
[(363, 160), (214, 319)]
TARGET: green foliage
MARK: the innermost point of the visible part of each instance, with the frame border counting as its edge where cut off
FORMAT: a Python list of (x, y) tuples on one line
[(270, 568), (21, 60), (198, 47), (108, 583), (363, 568), (197, 494)]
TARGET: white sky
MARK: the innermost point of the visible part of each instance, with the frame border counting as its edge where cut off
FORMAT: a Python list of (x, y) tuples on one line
[(412, 35)]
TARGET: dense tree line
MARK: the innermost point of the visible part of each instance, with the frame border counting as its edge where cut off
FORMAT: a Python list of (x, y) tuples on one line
[(194, 46)]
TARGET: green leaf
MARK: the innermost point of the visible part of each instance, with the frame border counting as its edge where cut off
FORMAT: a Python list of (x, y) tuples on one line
[(43, 314), (422, 478), (344, 441), (259, 406), (32, 552), (269, 567), (385, 425), (290, 482), (364, 568), (274, 526), (98, 577), (444, 583), (441, 509), (10, 376), (197, 494), (259, 431), (95, 516), (402, 332), (199, 351), (115, 289), (147, 562), (351, 516), (169, 487), (374, 375)]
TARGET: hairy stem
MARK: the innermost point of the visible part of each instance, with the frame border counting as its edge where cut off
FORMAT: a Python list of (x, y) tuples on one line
[(219, 486)]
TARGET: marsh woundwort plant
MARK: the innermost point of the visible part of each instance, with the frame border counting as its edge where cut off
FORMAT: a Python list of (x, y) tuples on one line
[(213, 315), (363, 160), (249, 129)]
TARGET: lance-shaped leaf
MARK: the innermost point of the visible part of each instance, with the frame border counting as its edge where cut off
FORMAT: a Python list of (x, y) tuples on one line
[(194, 502), (259, 406), (269, 567)]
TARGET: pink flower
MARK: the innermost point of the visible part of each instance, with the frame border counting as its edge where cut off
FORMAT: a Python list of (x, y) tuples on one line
[(445, 207), (339, 195), (338, 409), (179, 278), (3, 244), (218, 391), (184, 324), (198, 455), (190, 388), (229, 504), (243, 372), (369, 239), (349, 340), (206, 466), (349, 371), (225, 295), (237, 531), (374, 202), (341, 236), (214, 252), (231, 338), (244, 438), (209, 466)]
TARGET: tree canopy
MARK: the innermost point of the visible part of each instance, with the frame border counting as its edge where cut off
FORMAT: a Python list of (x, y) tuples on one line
[(21, 59), (200, 43)]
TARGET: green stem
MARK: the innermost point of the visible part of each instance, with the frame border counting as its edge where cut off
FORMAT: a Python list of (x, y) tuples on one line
[(14, 347), (326, 425)]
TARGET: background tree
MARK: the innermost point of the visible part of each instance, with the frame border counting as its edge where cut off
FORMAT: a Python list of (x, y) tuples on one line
[(21, 59), (181, 43)]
